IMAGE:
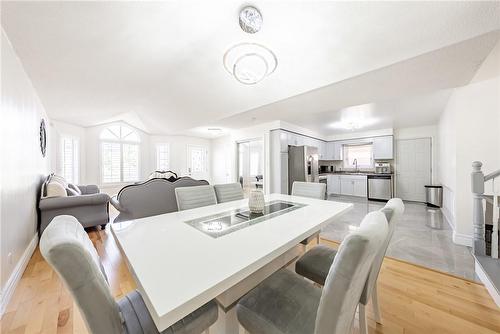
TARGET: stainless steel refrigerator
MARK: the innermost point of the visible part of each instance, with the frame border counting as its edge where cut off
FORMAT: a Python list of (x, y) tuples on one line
[(302, 165)]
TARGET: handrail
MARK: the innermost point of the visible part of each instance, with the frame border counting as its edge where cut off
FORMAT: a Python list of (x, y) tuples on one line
[(492, 175)]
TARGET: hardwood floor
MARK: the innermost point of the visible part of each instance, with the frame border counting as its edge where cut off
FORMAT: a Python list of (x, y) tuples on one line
[(413, 299)]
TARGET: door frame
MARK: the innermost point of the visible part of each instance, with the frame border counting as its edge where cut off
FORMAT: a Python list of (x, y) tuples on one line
[(396, 164)]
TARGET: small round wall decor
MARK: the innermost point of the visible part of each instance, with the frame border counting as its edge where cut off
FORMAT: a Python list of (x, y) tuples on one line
[(43, 137)]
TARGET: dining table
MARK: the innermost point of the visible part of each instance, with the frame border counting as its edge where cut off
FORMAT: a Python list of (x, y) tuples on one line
[(181, 260)]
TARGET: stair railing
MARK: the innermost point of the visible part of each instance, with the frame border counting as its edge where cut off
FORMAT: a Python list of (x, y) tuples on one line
[(478, 180)]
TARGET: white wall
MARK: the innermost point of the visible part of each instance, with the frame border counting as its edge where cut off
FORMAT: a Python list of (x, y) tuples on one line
[(90, 152), (22, 168), (469, 130), (179, 152)]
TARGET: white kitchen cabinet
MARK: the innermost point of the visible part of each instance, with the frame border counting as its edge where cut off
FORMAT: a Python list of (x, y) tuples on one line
[(353, 185), (383, 148), (329, 151), (322, 150), (337, 150), (333, 185)]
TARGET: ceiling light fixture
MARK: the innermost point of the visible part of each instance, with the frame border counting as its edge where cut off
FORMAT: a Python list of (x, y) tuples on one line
[(249, 63), (250, 19)]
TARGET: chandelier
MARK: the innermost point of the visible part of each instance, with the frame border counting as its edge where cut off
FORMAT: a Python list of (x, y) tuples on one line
[(249, 63)]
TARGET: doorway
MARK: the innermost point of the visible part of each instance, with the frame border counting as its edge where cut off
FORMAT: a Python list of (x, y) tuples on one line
[(197, 161), (413, 168), (251, 165)]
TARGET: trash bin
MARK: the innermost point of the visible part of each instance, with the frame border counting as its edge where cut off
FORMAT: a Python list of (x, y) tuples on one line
[(434, 195)]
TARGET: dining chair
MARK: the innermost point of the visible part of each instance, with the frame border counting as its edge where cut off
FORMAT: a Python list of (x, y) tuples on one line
[(68, 249), (286, 303), (315, 264), (228, 192), (195, 197), (311, 190)]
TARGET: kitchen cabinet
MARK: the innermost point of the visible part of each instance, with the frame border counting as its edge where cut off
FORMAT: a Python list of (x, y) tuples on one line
[(333, 185), (383, 148), (322, 150), (353, 185), (337, 150)]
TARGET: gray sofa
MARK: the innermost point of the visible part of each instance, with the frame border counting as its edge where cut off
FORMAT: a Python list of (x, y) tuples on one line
[(152, 197), (90, 207)]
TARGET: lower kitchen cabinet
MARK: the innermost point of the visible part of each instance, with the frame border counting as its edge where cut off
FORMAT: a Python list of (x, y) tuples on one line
[(333, 184), (349, 185)]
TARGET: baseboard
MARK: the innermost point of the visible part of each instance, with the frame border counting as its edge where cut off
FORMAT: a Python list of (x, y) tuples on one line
[(462, 239), (487, 283), (448, 219), (17, 273)]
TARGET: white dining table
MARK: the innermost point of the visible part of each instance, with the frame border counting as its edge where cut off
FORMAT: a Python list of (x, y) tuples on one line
[(178, 268)]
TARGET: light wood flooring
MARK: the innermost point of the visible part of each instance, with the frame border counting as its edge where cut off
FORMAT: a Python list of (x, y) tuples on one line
[(413, 299)]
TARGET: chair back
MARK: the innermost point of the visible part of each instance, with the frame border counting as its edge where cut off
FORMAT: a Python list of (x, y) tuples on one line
[(309, 189), (153, 197), (228, 192), (195, 197), (393, 211), (347, 276), (67, 248)]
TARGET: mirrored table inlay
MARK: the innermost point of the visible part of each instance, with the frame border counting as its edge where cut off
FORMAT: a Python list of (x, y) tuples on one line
[(230, 221)]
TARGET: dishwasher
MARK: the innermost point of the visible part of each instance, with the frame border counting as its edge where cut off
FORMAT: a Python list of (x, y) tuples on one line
[(380, 187)]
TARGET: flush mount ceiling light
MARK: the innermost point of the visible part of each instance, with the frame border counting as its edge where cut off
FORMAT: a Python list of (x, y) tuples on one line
[(250, 19), (249, 63)]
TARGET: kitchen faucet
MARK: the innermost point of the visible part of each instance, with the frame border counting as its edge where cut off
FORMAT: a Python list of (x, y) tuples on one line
[(355, 163)]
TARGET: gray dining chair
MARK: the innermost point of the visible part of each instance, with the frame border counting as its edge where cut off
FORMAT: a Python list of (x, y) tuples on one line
[(315, 264), (311, 190), (67, 248), (195, 197), (228, 192), (285, 303)]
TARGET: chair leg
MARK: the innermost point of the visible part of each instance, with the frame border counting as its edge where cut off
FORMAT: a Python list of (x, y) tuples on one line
[(363, 324), (376, 307), (317, 239)]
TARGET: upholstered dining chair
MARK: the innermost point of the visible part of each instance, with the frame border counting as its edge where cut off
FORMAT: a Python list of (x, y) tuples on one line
[(315, 264), (67, 248), (228, 192), (311, 190), (195, 197), (285, 303)]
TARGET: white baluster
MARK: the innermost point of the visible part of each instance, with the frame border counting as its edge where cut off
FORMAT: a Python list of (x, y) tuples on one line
[(494, 236)]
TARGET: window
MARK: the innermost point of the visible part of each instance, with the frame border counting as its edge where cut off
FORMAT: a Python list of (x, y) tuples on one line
[(70, 159), (162, 157), (119, 154), (360, 155)]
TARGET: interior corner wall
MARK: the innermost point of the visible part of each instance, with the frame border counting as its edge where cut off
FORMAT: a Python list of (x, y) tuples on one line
[(470, 131), (22, 167)]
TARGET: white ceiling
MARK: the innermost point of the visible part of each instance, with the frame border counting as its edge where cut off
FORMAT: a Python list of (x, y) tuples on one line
[(160, 63)]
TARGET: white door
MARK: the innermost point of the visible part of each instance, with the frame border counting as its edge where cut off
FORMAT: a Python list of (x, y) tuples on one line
[(197, 161), (413, 168)]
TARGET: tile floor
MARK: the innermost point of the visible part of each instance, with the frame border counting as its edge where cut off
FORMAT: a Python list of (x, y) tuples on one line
[(421, 237)]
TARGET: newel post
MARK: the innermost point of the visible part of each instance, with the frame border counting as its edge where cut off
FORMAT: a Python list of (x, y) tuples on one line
[(477, 186)]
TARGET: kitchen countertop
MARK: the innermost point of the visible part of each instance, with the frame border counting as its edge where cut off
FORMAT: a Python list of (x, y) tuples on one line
[(353, 173)]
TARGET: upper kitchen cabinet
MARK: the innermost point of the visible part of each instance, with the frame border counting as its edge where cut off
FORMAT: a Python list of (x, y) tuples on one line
[(337, 150), (333, 150), (383, 148)]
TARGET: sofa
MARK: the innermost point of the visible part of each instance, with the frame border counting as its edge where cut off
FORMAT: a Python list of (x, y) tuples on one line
[(84, 202), (152, 197)]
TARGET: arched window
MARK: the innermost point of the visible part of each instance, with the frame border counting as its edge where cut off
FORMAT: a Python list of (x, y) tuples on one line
[(119, 154)]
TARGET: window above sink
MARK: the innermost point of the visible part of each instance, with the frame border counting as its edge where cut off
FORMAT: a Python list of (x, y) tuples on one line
[(358, 156)]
